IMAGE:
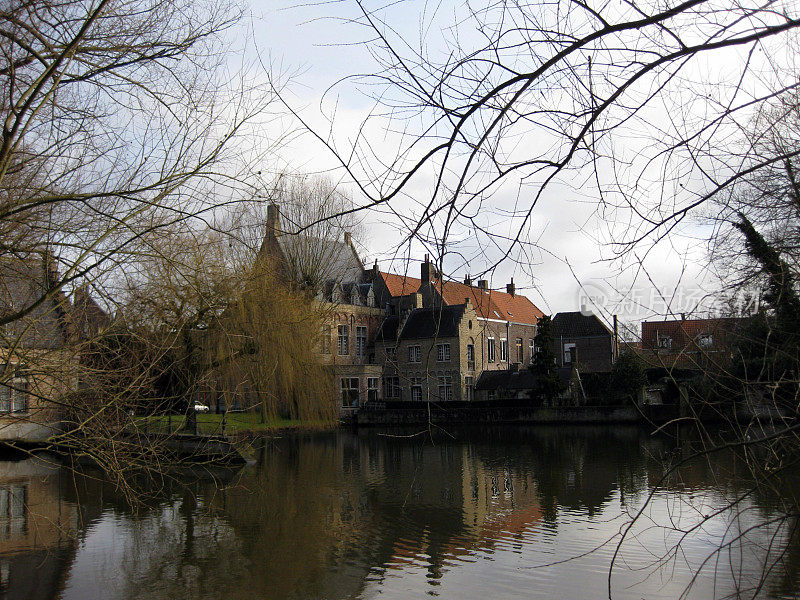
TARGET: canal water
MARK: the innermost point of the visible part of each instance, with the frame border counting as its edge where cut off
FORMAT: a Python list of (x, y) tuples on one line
[(491, 514)]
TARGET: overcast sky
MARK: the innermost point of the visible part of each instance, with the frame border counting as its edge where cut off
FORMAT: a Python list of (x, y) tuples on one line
[(315, 47)]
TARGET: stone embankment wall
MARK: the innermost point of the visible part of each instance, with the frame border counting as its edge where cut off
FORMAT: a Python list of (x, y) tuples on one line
[(424, 413)]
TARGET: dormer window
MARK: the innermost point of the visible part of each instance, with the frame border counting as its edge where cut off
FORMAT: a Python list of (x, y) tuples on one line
[(705, 340), (663, 341)]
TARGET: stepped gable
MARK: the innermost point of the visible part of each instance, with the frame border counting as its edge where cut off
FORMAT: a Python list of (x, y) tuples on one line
[(577, 324)]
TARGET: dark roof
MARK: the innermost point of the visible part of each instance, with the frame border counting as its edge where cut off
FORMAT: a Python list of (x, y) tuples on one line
[(23, 283), (423, 323), (388, 329), (523, 379), (326, 259), (439, 321), (578, 324), (87, 315)]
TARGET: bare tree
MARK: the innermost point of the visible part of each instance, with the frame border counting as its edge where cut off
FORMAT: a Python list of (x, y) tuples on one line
[(122, 124), (309, 222), (623, 98), (649, 106), (118, 119)]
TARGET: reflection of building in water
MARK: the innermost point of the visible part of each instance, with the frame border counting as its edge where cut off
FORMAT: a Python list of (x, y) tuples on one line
[(36, 530), (487, 504), (498, 502), (13, 516)]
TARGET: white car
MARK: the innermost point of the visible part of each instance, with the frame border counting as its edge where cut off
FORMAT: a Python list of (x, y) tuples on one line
[(201, 408)]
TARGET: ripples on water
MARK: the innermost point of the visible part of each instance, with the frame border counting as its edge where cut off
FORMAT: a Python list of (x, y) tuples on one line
[(506, 513)]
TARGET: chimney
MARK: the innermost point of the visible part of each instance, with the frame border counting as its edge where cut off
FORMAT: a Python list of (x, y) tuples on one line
[(273, 220), (468, 280), (510, 287), (483, 284), (683, 316), (375, 270), (426, 271)]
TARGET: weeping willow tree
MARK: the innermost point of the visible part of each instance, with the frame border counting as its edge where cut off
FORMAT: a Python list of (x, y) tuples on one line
[(266, 353), (228, 331)]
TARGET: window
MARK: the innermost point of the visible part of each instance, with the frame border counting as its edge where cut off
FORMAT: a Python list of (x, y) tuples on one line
[(705, 340), (490, 349), (350, 392), (471, 354), (468, 389), (391, 353), (520, 356), (361, 340), (391, 388), (531, 349), (443, 352), (343, 347), (414, 354), (13, 511), (416, 389), (372, 389), (445, 388), (503, 349), (14, 395), (569, 353), (325, 339), (663, 341)]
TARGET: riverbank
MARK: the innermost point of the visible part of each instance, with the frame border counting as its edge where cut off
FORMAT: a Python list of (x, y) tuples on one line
[(235, 424)]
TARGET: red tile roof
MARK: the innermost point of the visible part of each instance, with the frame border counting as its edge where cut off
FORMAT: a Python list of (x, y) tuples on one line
[(685, 332), (489, 304), (400, 285)]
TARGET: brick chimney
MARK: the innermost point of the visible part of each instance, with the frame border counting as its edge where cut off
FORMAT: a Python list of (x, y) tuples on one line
[(273, 220), (483, 284), (468, 280), (427, 270), (510, 287)]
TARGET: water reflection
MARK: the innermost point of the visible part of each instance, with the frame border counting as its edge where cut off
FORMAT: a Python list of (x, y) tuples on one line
[(37, 529), (511, 512)]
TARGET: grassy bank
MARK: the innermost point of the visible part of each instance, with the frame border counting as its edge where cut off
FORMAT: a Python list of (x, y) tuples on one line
[(234, 423)]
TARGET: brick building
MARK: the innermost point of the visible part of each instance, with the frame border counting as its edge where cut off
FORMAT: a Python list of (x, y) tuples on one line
[(688, 343), (395, 337), (344, 290), (38, 359), (582, 339), (439, 335)]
